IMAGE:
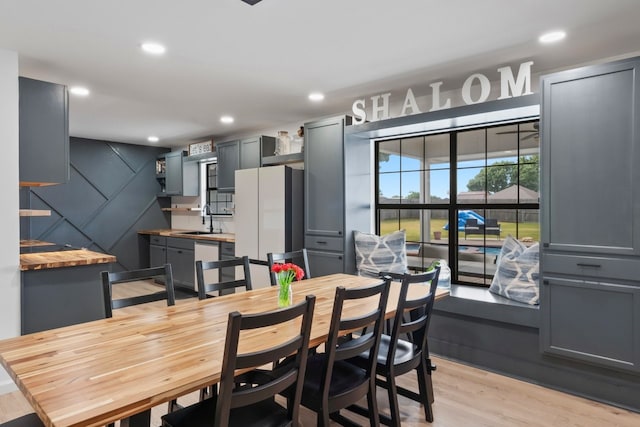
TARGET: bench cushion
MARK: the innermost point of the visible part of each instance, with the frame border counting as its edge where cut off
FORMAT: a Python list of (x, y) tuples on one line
[(517, 272), (380, 253)]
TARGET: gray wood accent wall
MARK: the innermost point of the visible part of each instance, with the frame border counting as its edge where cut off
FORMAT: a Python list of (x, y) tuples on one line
[(110, 196)]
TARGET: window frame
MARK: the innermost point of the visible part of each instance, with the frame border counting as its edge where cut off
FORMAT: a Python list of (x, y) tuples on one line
[(454, 205)]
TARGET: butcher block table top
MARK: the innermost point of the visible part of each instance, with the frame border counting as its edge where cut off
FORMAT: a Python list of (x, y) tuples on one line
[(176, 232), (66, 258), (97, 372)]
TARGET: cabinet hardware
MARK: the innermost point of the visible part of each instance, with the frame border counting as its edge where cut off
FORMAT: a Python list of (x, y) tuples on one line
[(582, 264), (321, 242), (545, 282)]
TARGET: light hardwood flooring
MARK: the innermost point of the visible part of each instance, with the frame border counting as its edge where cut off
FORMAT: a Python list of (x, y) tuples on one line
[(464, 397)]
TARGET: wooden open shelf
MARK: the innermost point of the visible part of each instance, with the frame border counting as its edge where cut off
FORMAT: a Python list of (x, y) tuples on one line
[(35, 212)]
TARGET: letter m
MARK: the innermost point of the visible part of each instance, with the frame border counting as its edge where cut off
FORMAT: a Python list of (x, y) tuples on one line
[(517, 87)]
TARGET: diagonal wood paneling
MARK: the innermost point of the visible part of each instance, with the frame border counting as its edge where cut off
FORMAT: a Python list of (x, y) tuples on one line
[(111, 194)]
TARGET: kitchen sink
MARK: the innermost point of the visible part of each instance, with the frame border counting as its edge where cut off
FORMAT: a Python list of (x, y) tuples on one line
[(198, 233)]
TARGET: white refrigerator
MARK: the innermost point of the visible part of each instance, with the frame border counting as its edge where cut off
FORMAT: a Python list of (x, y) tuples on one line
[(269, 215)]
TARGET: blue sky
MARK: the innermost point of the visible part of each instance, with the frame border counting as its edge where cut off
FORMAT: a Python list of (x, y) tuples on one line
[(390, 182)]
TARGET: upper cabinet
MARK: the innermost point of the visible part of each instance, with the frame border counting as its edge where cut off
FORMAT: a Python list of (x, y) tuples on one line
[(177, 177), (243, 154), (44, 133), (591, 152), (228, 154)]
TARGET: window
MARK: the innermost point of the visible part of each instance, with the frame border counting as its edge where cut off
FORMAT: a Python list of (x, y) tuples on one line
[(488, 191), (219, 203)]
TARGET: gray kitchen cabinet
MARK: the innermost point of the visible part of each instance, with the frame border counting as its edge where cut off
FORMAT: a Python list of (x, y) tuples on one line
[(44, 132), (157, 251), (593, 321), (337, 198), (228, 154), (180, 253), (244, 154), (253, 149), (181, 177), (181, 256), (250, 153), (590, 222), (322, 263), (227, 251)]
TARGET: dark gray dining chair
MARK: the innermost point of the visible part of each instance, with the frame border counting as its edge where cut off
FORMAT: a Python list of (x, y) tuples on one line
[(205, 287), (331, 382), (165, 276), (248, 400), (398, 356)]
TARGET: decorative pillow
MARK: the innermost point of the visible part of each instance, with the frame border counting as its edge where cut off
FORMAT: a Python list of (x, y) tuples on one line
[(517, 274), (380, 253)]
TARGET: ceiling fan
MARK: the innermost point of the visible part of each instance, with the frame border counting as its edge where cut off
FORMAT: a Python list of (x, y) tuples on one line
[(534, 133), (251, 2)]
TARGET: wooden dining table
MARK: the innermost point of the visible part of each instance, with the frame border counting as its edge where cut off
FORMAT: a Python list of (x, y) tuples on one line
[(106, 370)]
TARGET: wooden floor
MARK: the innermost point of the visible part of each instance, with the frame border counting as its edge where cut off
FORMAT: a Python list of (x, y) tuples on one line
[(464, 397)]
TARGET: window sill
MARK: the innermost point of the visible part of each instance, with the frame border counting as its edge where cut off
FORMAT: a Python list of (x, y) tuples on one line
[(479, 302)]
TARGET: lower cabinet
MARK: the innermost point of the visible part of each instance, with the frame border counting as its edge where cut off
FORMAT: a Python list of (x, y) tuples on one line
[(325, 263), (157, 251), (177, 252), (593, 321), (227, 251), (180, 254)]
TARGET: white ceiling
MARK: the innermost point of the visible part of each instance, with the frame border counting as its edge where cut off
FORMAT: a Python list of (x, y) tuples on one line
[(258, 63)]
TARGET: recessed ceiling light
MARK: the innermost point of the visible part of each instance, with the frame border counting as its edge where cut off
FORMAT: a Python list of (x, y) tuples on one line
[(153, 48), (226, 119), (316, 96), (153, 139), (552, 36), (79, 91)]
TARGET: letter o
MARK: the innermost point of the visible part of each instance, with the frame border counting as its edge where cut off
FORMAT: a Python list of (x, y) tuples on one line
[(485, 88)]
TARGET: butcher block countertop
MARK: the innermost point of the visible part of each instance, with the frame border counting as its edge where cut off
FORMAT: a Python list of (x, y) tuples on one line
[(174, 232), (56, 258)]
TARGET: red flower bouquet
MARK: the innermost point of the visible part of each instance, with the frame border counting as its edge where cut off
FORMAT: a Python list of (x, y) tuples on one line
[(286, 273)]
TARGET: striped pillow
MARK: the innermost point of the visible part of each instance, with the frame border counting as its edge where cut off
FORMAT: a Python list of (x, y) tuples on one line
[(517, 274), (375, 254)]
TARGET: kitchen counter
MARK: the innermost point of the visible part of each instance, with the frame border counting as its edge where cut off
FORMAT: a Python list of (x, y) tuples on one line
[(39, 257), (174, 232), (68, 258), (61, 285)]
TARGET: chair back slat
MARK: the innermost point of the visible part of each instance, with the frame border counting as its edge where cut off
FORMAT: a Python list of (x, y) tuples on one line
[(109, 279), (204, 288)]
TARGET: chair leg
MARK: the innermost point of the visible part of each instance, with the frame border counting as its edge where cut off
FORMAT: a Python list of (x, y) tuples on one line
[(323, 418), (425, 395), (394, 407), (430, 368), (372, 402), (173, 405)]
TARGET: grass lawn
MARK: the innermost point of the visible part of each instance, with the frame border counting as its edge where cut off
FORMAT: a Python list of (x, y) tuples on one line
[(412, 226)]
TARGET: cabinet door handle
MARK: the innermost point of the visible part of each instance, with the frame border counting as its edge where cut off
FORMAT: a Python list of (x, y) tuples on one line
[(545, 282), (321, 242), (179, 252), (582, 264)]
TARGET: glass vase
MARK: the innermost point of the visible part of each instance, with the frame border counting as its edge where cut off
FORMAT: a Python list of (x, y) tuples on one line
[(285, 295)]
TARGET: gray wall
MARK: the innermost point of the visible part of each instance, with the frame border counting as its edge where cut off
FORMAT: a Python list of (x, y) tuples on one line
[(111, 195)]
